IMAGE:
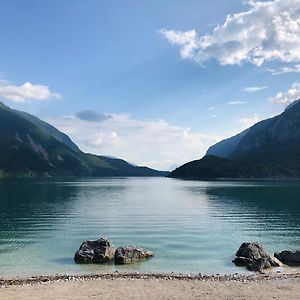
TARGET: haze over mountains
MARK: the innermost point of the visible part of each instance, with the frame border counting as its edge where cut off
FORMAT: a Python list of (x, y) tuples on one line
[(31, 147), (269, 149)]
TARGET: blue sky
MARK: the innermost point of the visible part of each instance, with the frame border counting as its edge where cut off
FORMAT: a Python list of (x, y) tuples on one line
[(156, 81)]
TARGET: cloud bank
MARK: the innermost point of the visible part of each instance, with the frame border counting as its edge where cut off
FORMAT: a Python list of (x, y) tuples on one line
[(153, 143), (286, 98), (249, 121), (285, 70), (267, 31), (26, 92)]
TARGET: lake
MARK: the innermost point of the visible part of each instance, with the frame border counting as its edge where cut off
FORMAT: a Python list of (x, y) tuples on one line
[(191, 226)]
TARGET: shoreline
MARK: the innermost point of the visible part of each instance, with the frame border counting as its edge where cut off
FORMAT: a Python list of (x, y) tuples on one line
[(153, 286), (236, 277)]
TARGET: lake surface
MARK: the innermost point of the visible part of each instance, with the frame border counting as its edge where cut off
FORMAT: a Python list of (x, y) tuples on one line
[(191, 226)]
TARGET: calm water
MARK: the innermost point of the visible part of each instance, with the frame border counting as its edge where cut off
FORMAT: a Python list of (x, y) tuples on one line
[(191, 226)]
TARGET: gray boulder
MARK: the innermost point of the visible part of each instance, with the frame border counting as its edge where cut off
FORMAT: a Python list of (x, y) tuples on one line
[(254, 257), (127, 255), (289, 257), (242, 261), (251, 251), (257, 265), (100, 251)]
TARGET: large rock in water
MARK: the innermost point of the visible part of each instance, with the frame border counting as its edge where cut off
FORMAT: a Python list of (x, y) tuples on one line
[(254, 257), (289, 257), (100, 251), (127, 255)]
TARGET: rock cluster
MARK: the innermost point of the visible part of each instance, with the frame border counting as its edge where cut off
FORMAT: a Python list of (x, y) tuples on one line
[(102, 251), (254, 257)]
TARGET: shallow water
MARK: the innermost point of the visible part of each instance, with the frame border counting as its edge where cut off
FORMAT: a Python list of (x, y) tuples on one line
[(191, 226)]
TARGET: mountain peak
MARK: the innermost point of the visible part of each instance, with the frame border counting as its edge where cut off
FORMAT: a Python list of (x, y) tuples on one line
[(292, 104), (32, 147), (268, 149)]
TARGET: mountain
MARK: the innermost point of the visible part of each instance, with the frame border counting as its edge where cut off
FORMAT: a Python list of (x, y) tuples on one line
[(31, 147), (49, 129), (227, 146), (269, 149)]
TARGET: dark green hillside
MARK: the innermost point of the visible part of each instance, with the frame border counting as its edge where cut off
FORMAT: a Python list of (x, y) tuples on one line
[(269, 149), (26, 149), (49, 129), (30, 150), (213, 167)]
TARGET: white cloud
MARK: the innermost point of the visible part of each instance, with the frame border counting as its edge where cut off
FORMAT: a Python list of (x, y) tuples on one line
[(249, 121), (267, 31), (253, 89), (25, 92), (187, 40), (211, 108), (154, 143), (237, 102), (284, 70), (285, 98)]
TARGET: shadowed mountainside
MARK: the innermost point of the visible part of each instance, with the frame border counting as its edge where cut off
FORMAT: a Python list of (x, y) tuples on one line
[(269, 149), (31, 147)]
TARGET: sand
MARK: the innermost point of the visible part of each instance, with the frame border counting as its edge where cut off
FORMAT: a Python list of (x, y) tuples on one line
[(152, 287)]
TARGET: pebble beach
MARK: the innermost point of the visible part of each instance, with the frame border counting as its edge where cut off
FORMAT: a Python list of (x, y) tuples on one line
[(153, 286)]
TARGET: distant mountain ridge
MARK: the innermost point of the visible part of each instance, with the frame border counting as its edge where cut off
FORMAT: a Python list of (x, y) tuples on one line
[(227, 146), (49, 129), (268, 149), (31, 147)]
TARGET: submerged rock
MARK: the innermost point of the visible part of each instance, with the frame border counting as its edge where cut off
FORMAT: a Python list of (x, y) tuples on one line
[(127, 255), (99, 251), (254, 257), (289, 257)]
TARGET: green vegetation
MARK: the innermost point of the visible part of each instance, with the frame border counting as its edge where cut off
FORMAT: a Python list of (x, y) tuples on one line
[(213, 167), (49, 129), (269, 149), (30, 147), (2, 174)]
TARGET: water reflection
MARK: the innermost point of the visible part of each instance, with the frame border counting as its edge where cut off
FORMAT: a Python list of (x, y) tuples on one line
[(268, 212), (29, 209), (191, 226)]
